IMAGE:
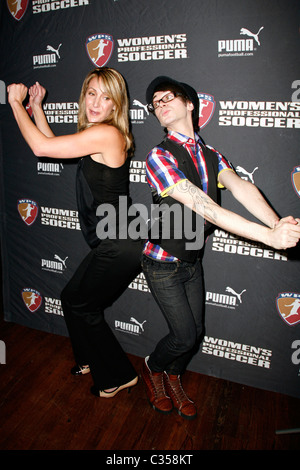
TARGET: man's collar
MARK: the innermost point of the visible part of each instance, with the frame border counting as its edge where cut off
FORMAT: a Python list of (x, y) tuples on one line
[(181, 138)]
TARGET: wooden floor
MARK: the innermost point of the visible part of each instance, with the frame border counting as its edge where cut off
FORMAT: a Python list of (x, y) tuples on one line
[(43, 407)]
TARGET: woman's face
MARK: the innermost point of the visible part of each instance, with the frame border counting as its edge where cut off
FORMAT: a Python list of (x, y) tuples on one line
[(98, 105)]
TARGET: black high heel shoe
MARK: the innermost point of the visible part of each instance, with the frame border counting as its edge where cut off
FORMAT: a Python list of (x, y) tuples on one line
[(104, 394), (80, 370)]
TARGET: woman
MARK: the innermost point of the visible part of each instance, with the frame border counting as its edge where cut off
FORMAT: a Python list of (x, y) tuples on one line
[(102, 177)]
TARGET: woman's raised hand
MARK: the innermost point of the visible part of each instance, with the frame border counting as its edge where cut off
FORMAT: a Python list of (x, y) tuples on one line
[(17, 92), (36, 94)]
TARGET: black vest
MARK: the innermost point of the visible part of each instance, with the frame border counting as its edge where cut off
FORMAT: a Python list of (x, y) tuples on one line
[(174, 236)]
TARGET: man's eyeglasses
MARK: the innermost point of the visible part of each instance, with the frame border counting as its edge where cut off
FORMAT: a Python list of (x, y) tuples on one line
[(165, 99)]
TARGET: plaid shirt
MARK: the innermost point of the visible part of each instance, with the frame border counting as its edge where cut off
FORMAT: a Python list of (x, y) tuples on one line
[(162, 174)]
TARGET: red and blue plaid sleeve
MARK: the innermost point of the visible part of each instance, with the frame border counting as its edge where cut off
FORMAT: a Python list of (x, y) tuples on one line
[(161, 170)]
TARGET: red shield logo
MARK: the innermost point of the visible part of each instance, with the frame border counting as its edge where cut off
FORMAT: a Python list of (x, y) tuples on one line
[(296, 179), (288, 306), (17, 8), (32, 299), (29, 110), (99, 48), (28, 210), (206, 109)]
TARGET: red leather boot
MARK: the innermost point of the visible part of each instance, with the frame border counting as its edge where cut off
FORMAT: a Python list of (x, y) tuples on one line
[(184, 406), (155, 389)]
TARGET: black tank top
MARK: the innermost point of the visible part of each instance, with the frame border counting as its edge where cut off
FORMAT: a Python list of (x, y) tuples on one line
[(97, 184), (106, 183)]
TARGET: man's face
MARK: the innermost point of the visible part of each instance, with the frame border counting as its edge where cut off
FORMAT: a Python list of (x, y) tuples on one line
[(173, 113)]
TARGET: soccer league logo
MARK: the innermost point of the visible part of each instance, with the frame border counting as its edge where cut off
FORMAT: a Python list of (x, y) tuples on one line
[(206, 109), (28, 210), (32, 299), (17, 8), (296, 179), (288, 306), (99, 48), (29, 110)]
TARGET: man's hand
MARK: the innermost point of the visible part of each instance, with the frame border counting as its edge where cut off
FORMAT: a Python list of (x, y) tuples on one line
[(285, 234)]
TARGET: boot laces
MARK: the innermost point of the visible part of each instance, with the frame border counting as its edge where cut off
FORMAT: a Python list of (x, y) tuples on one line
[(178, 390), (158, 384)]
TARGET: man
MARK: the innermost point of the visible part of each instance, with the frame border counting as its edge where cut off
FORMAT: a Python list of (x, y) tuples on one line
[(183, 172)]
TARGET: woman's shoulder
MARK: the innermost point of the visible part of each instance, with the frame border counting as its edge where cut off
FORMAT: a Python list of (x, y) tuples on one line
[(107, 133), (103, 127), (112, 151)]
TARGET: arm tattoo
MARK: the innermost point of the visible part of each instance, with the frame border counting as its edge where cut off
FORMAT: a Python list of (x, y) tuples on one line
[(201, 203)]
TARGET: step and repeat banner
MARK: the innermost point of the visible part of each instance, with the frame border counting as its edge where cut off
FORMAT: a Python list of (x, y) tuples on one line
[(242, 58)]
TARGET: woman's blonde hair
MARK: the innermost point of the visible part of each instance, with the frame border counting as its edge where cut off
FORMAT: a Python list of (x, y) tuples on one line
[(116, 89)]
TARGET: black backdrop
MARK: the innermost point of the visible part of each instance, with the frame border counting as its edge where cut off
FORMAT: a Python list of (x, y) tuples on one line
[(242, 57)]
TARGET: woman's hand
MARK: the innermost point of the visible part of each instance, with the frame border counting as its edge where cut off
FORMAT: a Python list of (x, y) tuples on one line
[(17, 93), (36, 94)]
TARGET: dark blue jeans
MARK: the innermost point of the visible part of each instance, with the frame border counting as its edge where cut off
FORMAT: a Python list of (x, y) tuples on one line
[(178, 290)]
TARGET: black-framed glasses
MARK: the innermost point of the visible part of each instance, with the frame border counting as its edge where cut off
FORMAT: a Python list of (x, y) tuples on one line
[(165, 99)]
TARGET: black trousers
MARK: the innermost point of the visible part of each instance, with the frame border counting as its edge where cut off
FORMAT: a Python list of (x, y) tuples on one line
[(100, 279)]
